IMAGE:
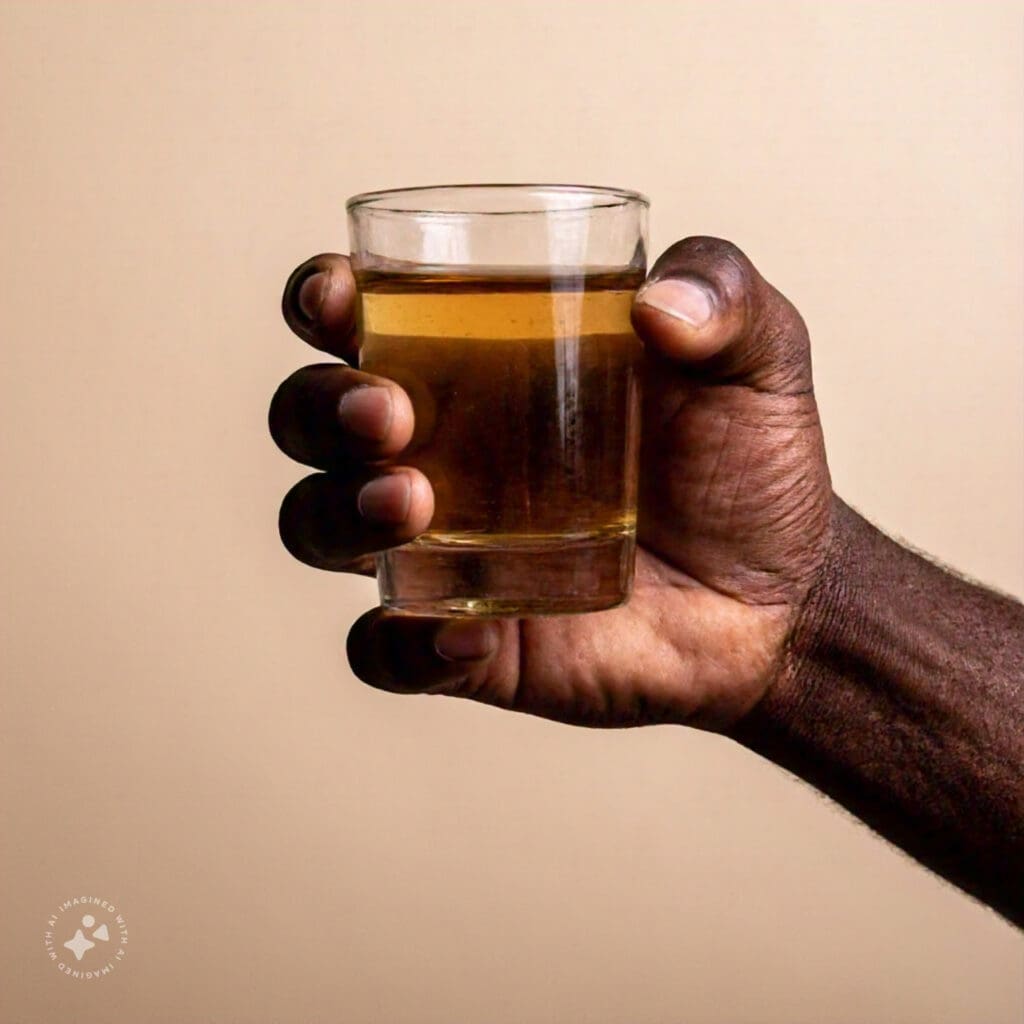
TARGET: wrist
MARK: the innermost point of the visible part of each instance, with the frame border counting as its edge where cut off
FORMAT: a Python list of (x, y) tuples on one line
[(821, 631)]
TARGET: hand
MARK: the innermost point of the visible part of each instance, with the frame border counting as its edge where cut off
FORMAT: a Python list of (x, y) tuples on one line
[(734, 514)]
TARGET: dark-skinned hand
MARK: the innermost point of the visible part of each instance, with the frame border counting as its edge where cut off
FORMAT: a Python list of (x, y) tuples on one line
[(734, 515)]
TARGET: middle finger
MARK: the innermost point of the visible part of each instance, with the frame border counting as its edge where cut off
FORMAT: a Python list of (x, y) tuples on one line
[(329, 414)]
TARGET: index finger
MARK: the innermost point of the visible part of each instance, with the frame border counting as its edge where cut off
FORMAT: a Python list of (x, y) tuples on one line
[(319, 304)]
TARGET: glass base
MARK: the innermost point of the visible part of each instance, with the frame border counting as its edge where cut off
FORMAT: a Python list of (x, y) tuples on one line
[(522, 576)]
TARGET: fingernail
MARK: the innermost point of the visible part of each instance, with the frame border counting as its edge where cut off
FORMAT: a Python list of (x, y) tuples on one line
[(366, 412), (311, 295), (462, 640), (681, 298), (386, 499)]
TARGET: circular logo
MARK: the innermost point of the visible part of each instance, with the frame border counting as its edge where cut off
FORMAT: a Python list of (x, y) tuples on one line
[(86, 938)]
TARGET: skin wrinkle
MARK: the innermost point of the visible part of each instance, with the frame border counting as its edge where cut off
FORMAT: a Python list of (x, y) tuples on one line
[(732, 510), (788, 519), (724, 513), (705, 502)]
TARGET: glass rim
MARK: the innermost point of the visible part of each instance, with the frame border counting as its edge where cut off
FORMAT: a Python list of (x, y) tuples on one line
[(602, 197)]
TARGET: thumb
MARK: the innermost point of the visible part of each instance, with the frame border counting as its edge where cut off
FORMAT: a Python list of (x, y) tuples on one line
[(705, 306)]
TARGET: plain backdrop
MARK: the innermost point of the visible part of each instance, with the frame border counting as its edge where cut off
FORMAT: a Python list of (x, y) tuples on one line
[(180, 732)]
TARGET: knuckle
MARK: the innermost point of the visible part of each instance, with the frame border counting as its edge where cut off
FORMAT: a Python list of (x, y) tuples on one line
[(320, 525), (303, 414), (277, 415), (358, 647), (285, 413), (296, 519), (313, 520)]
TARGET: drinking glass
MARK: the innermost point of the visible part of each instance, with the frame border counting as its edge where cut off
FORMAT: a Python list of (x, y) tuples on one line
[(504, 312)]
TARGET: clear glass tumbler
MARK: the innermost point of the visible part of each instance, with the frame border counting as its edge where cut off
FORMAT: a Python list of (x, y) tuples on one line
[(503, 310)]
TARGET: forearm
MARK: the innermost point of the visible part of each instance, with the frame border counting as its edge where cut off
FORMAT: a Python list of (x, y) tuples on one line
[(903, 699)]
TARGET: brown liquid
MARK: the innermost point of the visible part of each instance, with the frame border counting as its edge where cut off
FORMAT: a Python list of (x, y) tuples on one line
[(525, 390)]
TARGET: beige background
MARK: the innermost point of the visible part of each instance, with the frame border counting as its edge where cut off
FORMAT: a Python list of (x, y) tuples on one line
[(180, 733)]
